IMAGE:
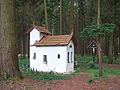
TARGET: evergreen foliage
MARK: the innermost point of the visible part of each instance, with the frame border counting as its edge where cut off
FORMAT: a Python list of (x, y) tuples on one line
[(94, 31)]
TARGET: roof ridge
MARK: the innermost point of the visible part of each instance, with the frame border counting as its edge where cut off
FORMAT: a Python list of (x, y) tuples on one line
[(59, 35)]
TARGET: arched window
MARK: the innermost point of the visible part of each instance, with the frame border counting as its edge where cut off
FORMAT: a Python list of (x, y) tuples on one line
[(70, 46)]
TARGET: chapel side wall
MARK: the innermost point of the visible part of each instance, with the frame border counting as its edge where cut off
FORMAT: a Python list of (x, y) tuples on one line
[(35, 35), (34, 63), (70, 65), (53, 64)]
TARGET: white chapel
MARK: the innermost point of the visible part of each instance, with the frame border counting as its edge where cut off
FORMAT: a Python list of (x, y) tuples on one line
[(50, 53)]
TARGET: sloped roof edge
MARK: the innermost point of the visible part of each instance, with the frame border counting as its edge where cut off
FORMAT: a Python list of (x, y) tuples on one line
[(58, 40), (39, 28)]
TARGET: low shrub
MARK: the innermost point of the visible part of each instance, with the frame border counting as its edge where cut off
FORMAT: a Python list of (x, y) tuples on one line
[(91, 62), (76, 72), (86, 61), (115, 61), (111, 72)]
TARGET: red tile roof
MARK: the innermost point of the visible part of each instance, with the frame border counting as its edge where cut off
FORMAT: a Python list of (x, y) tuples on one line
[(59, 40), (39, 28)]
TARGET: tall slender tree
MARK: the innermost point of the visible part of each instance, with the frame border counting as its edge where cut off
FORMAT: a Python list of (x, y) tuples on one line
[(8, 40), (72, 9), (109, 15), (46, 16), (61, 5), (99, 48)]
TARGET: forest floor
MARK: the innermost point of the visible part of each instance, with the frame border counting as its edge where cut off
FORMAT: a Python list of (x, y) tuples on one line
[(76, 82)]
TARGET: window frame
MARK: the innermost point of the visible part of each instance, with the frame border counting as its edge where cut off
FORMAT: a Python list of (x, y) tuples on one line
[(58, 56), (45, 59), (34, 55), (71, 56), (68, 58)]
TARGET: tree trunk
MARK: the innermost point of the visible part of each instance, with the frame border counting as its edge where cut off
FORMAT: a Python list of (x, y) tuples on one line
[(61, 16), (24, 47), (46, 17), (99, 41), (72, 20), (69, 21), (8, 40), (99, 52), (109, 18), (110, 55), (81, 4), (77, 35)]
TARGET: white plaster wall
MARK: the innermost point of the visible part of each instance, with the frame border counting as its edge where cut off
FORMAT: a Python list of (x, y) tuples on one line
[(33, 63), (53, 64), (35, 35), (70, 66)]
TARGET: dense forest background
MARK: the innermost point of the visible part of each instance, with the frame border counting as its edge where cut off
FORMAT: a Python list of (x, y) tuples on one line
[(66, 16)]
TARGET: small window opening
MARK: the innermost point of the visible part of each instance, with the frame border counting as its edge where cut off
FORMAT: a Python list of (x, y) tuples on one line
[(36, 41), (34, 55), (70, 46), (45, 59), (58, 56), (71, 57), (68, 57)]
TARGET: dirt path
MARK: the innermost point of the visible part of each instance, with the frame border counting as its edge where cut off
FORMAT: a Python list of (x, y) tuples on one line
[(78, 82)]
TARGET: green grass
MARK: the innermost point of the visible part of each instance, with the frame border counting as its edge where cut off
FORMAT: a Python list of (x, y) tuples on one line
[(35, 75), (78, 71), (94, 73), (86, 61), (17, 79), (111, 72), (107, 72), (92, 66)]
